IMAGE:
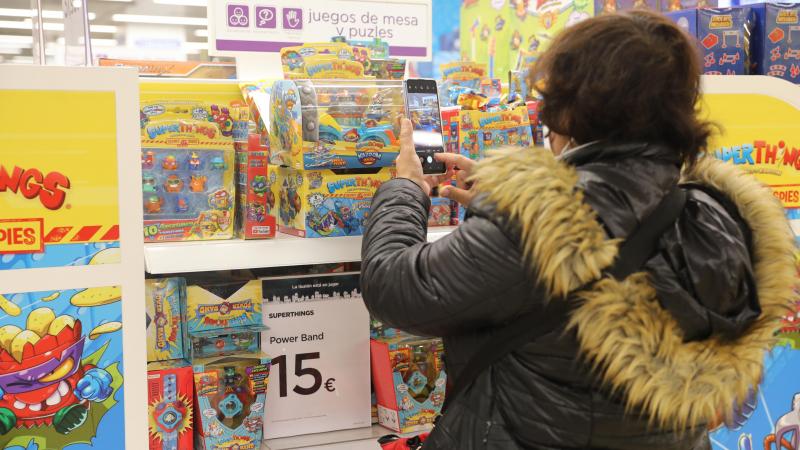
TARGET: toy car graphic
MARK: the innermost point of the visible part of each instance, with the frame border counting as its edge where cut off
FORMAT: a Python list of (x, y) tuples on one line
[(371, 130)]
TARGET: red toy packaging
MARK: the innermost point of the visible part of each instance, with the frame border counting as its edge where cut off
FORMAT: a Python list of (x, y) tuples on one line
[(450, 120), (170, 387), (256, 219)]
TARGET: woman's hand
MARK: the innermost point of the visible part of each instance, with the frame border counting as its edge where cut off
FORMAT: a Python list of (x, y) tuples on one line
[(461, 167), (407, 163)]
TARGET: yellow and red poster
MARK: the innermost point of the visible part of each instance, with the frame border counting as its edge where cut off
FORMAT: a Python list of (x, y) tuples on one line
[(58, 178)]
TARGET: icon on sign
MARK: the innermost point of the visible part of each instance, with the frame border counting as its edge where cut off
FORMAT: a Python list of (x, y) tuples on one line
[(238, 16), (265, 17), (292, 18)]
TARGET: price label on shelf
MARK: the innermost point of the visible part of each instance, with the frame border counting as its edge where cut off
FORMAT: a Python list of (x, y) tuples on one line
[(318, 338)]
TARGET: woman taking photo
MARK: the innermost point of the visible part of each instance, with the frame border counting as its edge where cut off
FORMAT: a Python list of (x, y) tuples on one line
[(638, 283)]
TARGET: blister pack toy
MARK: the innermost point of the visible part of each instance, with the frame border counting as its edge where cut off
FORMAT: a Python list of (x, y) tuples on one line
[(450, 122), (225, 341), (188, 163), (170, 388), (724, 36), (779, 42), (409, 378), (439, 215), (230, 394), (678, 5), (255, 218), (480, 131), (323, 124), (164, 298), (340, 60), (325, 203)]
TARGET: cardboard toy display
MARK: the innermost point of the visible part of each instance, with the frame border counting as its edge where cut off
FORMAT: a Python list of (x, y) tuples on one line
[(409, 378), (255, 218), (480, 131), (170, 392), (164, 301), (324, 203), (214, 305)]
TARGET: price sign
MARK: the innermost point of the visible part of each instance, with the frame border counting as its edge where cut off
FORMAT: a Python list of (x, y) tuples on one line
[(318, 339)]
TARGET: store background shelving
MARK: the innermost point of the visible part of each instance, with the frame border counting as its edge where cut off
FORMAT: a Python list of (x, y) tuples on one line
[(237, 254)]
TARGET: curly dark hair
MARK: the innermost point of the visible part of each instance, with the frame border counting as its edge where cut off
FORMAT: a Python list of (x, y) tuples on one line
[(630, 77)]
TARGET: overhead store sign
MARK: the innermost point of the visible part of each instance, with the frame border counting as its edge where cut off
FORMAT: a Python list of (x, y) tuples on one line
[(237, 26)]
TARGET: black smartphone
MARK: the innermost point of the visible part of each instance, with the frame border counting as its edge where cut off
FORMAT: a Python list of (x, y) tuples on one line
[(422, 108)]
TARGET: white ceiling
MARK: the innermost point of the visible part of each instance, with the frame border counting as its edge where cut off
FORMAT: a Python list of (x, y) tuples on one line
[(141, 29)]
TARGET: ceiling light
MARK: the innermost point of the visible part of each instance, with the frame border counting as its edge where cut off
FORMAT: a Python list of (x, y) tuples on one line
[(162, 20), (104, 42), (10, 50), (46, 13), (201, 32), (196, 45), (182, 2)]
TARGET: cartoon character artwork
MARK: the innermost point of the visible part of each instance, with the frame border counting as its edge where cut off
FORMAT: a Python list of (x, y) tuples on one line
[(222, 117), (59, 370), (198, 183), (787, 429), (290, 203), (259, 186), (219, 200)]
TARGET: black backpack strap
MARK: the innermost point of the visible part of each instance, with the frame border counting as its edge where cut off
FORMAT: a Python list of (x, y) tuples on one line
[(634, 252)]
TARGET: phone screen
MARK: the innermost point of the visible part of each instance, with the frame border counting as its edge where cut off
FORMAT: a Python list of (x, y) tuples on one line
[(422, 106)]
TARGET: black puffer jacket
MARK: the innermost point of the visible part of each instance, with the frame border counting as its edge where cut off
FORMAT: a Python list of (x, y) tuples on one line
[(677, 344)]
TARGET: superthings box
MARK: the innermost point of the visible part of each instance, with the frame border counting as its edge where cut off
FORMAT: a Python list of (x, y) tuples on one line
[(780, 41), (164, 300), (409, 378), (218, 304), (170, 388), (612, 6), (187, 135), (686, 19), (480, 131), (325, 203), (255, 218)]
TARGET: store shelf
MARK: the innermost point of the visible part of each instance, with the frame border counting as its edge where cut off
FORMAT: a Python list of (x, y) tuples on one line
[(355, 439), (284, 250)]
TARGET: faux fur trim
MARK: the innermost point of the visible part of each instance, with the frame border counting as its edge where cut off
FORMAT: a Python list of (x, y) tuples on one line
[(634, 344), (560, 233)]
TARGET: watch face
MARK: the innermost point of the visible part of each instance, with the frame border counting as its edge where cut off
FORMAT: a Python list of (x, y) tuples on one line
[(170, 418), (230, 406)]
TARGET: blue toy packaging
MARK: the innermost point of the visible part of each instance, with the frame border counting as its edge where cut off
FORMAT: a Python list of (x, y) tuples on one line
[(409, 379), (339, 124), (170, 389), (724, 36), (229, 395), (780, 40), (686, 19), (324, 203), (679, 5), (164, 299)]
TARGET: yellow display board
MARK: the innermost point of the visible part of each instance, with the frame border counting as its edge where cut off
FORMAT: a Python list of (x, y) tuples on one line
[(58, 174)]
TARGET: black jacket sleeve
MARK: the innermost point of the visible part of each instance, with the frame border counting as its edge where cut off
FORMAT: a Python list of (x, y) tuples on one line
[(471, 278)]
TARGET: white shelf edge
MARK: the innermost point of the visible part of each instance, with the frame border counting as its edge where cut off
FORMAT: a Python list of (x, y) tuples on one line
[(237, 254)]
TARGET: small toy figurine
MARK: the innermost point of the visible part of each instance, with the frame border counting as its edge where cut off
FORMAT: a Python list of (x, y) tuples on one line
[(198, 183), (153, 205), (259, 185), (182, 206), (148, 183), (219, 199), (148, 159), (173, 184), (217, 163), (170, 163), (194, 162)]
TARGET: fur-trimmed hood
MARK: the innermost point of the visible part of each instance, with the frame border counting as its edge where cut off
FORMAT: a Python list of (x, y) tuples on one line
[(626, 334)]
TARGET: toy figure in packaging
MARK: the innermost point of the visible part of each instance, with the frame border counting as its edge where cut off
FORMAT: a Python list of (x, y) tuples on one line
[(188, 152), (481, 131), (163, 300), (409, 379), (334, 124), (170, 405), (256, 218), (325, 203), (230, 394), (60, 373), (215, 305)]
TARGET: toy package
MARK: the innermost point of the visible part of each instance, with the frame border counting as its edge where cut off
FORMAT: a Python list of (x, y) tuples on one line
[(219, 304), (336, 124), (170, 388), (325, 203), (255, 219), (450, 122), (187, 135), (230, 394), (537, 127), (439, 215), (612, 6), (339, 60), (164, 298), (409, 378), (176, 69), (685, 19), (225, 341), (724, 36), (481, 131), (779, 42), (678, 5)]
